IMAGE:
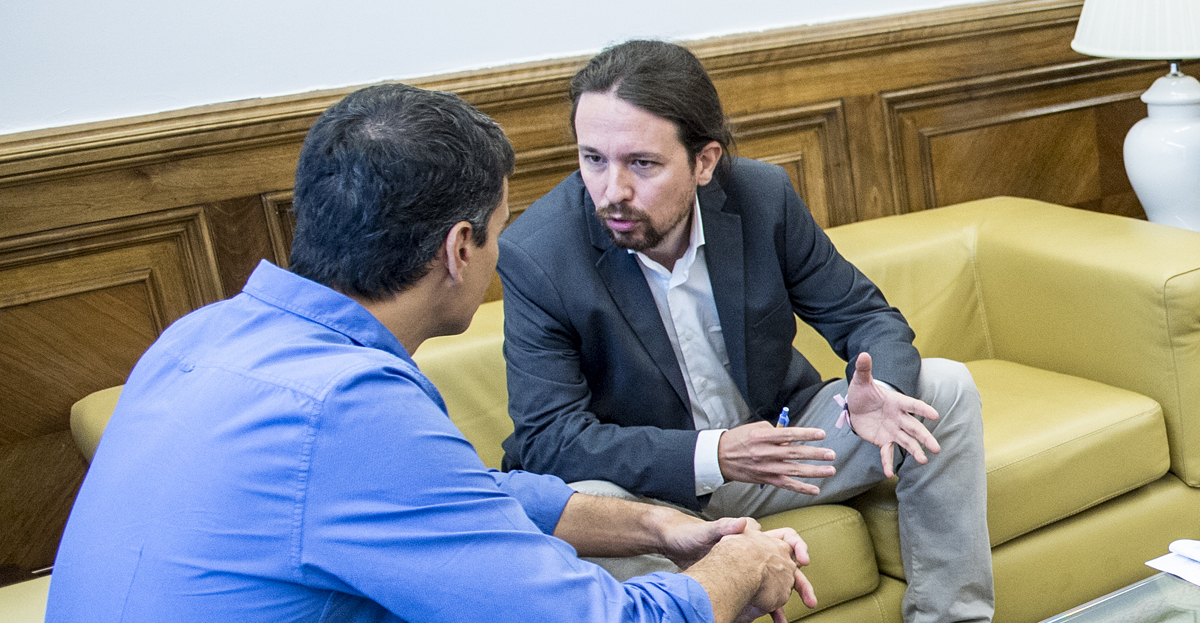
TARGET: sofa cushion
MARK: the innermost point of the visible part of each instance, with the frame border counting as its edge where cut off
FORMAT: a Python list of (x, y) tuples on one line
[(89, 417), (25, 602), (1055, 446), (843, 560), (1059, 444)]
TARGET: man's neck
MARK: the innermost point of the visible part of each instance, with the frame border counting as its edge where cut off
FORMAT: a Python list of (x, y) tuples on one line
[(407, 315)]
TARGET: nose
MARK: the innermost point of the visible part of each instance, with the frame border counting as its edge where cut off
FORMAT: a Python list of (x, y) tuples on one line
[(618, 187)]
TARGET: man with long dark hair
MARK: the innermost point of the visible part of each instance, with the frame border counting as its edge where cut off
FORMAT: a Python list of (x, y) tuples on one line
[(650, 307)]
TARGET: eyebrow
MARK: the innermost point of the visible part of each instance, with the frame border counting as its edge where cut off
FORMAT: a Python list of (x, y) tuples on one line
[(636, 155)]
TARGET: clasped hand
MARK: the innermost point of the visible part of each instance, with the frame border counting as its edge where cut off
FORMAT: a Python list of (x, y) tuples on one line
[(781, 552)]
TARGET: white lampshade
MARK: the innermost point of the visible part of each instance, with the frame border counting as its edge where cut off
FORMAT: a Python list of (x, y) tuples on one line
[(1140, 29)]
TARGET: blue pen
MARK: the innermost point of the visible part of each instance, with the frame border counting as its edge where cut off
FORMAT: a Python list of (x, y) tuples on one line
[(782, 422), (783, 419)]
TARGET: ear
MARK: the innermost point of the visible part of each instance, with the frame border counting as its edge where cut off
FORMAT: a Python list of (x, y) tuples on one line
[(706, 162), (457, 250)]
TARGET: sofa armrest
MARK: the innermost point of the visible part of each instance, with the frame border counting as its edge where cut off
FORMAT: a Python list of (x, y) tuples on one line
[(89, 417), (1107, 298)]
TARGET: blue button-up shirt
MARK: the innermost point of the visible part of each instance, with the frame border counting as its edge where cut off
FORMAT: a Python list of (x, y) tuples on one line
[(279, 457)]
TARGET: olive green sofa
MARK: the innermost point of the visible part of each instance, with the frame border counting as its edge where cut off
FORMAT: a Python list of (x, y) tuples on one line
[(1082, 331)]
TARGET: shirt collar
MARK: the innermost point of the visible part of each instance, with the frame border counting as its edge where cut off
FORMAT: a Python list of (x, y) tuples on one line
[(321, 304)]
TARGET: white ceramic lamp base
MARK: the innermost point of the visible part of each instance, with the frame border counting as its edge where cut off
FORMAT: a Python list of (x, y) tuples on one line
[(1162, 152)]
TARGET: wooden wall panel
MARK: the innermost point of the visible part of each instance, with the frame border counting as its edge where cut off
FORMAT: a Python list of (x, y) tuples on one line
[(1052, 133), (281, 224), (810, 143), (109, 231), (78, 306), (34, 507)]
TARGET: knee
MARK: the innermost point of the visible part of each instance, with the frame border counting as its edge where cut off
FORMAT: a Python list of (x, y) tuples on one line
[(949, 388), (602, 489)]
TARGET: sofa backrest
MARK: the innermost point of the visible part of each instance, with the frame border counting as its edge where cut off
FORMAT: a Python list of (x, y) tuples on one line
[(925, 265)]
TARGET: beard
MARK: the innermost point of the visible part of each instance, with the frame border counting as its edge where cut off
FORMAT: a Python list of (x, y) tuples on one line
[(643, 235)]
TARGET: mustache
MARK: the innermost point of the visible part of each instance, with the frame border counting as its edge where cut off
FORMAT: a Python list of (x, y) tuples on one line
[(621, 212)]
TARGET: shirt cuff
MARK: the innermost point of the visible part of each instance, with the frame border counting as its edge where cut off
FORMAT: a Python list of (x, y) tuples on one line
[(708, 467)]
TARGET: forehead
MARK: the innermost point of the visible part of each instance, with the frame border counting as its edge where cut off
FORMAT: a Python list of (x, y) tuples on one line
[(607, 123)]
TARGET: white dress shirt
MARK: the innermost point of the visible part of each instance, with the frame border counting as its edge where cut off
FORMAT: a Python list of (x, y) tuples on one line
[(689, 313)]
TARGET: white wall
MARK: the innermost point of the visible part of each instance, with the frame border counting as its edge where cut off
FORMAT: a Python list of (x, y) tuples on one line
[(72, 61)]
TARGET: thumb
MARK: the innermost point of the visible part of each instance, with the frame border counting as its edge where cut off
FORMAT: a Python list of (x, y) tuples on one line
[(730, 525), (862, 369)]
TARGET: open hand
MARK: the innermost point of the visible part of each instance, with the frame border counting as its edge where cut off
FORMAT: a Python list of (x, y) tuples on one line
[(762, 454), (884, 417)]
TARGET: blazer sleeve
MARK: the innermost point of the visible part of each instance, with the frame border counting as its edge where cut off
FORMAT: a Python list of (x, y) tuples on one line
[(555, 430), (843, 305)]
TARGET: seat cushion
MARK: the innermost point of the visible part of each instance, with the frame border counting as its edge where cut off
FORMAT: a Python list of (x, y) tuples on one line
[(843, 560), (25, 602), (1055, 445)]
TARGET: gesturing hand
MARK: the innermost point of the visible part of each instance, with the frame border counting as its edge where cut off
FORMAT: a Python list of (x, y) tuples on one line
[(885, 417), (762, 454)]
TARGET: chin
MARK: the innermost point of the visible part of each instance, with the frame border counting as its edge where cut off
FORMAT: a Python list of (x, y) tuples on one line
[(626, 241)]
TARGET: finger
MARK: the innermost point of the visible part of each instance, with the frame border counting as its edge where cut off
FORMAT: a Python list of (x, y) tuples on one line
[(912, 445), (799, 547), (886, 455), (791, 434), (805, 588), (805, 470), (862, 366), (777, 616), (920, 408), (800, 453), (862, 373), (765, 452), (913, 448), (921, 434), (731, 525), (798, 486)]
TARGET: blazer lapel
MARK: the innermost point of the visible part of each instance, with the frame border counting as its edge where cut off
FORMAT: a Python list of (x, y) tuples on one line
[(625, 282), (725, 257)]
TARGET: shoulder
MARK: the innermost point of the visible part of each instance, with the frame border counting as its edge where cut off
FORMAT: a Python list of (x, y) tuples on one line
[(265, 346), (555, 214), (755, 177)]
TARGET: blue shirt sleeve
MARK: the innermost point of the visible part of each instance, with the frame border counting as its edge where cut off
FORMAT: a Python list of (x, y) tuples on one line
[(398, 508), (541, 495)]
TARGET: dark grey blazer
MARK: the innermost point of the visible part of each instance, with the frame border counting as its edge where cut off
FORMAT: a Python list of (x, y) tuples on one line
[(594, 389)]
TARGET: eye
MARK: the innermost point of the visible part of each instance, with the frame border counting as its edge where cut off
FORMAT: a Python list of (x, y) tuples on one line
[(592, 158), (643, 164)]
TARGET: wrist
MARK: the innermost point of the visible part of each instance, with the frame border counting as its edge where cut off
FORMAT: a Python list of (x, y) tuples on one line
[(662, 523)]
